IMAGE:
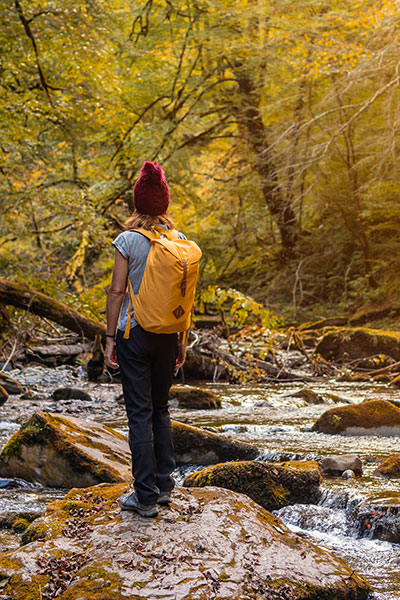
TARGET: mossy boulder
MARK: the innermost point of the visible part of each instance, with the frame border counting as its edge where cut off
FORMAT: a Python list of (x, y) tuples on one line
[(308, 395), (190, 397), (209, 543), (271, 485), (358, 342), (372, 417), (197, 446), (379, 517), (10, 384), (66, 452), (390, 467)]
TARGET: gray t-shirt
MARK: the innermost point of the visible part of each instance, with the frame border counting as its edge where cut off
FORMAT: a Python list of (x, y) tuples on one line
[(135, 247)]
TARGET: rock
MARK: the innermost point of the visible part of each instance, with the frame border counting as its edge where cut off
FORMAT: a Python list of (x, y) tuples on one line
[(358, 342), (209, 543), (372, 313), (390, 467), (308, 395), (197, 446), (395, 382), (336, 465), (68, 452), (56, 451), (10, 484), (379, 517), (194, 398), (3, 395), (271, 485), (10, 384), (337, 399), (349, 474), (383, 378), (373, 417), (68, 393), (13, 519)]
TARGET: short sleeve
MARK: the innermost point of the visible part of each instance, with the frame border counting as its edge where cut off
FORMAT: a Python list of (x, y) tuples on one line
[(120, 243)]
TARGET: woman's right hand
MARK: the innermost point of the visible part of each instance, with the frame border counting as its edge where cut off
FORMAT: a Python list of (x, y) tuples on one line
[(110, 355)]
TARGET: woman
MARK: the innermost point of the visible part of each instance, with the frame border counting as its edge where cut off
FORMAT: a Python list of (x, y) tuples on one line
[(146, 360)]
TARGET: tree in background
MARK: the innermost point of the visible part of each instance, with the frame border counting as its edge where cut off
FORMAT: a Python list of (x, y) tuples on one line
[(276, 124)]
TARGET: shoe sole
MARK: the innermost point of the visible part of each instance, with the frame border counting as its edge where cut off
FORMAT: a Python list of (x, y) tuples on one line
[(164, 501), (148, 514)]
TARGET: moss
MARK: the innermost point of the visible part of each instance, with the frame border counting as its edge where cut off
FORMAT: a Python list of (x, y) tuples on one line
[(303, 465), (95, 583), (35, 531), (20, 525), (367, 415), (197, 398), (270, 485), (358, 342), (30, 433), (390, 467), (63, 435)]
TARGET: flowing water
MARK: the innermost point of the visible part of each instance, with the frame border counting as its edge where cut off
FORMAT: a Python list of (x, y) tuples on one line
[(265, 415)]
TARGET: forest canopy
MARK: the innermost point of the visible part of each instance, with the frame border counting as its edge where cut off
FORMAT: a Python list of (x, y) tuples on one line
[(277, 125)]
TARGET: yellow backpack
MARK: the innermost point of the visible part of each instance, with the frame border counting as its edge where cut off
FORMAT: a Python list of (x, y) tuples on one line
[(165, 299)]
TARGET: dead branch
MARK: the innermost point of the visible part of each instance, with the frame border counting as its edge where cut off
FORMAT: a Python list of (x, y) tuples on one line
[(21, 296)]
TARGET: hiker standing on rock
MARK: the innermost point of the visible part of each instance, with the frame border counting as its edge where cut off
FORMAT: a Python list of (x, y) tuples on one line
[(149, 307)]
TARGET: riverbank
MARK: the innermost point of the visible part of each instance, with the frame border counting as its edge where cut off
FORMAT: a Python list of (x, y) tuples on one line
[(267, 415)]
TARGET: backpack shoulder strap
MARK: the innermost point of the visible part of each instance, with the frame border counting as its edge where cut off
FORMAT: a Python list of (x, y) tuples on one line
[(157, 231), (147, 233)]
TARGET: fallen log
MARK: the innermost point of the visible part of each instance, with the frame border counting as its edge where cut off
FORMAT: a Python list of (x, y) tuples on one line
[(57, 354), (21, 296)]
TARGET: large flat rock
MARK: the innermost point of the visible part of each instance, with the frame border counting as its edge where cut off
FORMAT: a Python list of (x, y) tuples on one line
[(209, 543)]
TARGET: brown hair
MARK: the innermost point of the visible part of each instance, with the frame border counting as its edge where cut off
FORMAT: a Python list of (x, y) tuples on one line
[(138, 220)]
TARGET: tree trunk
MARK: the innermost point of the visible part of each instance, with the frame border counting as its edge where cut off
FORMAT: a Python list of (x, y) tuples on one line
[(21, 296), (279, 205)]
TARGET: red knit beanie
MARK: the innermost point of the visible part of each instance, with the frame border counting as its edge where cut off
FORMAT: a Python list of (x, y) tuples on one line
[(151, 191)]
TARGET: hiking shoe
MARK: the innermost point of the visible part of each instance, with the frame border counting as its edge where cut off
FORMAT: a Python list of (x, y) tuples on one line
[(130, 501), (164, 498)]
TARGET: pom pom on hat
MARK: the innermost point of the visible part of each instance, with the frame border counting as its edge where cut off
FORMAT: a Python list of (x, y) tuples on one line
[(151, 191)]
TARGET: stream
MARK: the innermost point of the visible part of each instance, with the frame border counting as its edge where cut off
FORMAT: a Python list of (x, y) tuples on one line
[(265, 415)]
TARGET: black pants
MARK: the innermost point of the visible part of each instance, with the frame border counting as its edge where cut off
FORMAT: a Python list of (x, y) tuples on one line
[(147, 361)]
